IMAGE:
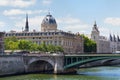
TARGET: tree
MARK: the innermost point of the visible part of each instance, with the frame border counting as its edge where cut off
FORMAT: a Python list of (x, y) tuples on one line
[(51, 48), (39, 48), (13, 38), (24, 44), (43, 47), (59, 49), (33, 47), (89, 45), (11, 43)]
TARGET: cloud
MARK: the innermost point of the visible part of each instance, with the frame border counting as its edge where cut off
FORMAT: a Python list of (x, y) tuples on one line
[(20, 11), (46, 2), (2, 24), (34, 23), (113, 21), (66, 24), (82, 28), (17, 3), (104, 31), (69, 20), (73, 24), (13, 12)]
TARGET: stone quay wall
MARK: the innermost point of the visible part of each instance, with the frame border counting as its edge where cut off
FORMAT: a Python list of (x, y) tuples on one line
[(11, 64)]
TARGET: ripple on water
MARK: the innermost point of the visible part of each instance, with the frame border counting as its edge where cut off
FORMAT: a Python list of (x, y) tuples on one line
[(98, 73), (101, 71)]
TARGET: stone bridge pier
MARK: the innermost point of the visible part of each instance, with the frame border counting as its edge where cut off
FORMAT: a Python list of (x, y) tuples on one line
[(44, 63)]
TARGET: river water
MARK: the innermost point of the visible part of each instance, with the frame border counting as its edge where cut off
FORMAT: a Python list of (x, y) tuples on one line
[(97, 73)]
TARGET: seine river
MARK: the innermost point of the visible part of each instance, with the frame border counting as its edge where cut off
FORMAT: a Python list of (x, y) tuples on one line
[(97, 73)]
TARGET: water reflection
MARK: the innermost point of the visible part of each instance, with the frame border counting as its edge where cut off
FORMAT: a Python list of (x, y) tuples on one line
[(101, 71), (97, 73)]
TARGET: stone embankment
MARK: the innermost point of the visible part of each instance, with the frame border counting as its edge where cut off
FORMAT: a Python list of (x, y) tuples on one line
[(11, 64)]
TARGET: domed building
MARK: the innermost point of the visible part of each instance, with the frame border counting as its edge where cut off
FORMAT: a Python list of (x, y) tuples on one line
[(48, 23), (71, 43)]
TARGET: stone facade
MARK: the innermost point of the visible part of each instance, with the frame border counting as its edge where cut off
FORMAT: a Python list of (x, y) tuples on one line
[(103, 45), (72, 43), (114, 44)]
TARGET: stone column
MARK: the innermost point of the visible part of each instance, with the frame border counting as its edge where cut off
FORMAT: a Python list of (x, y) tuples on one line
[(58, 64)]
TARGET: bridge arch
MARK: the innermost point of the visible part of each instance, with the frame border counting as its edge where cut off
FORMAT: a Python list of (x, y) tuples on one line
[(40, 65)]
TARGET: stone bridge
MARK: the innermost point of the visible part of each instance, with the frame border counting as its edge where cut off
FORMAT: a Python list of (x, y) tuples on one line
[(44, 63), (54, 63)]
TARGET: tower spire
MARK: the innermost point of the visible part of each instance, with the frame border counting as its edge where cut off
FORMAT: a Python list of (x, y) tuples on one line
[(95, 23), (26, 24), (95, 28)]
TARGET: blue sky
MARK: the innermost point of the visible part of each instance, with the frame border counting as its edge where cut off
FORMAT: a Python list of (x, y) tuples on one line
[(71, 15)]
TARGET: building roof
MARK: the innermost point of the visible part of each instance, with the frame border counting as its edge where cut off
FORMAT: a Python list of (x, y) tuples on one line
[(49, 19), (111, 39), (114, 38)]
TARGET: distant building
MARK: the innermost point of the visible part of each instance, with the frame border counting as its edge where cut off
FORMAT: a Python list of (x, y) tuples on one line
[(72, 43), (103, 45), (2, 42), (114, 43)]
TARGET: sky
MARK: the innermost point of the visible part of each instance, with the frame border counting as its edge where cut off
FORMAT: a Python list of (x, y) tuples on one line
[(71, 15)]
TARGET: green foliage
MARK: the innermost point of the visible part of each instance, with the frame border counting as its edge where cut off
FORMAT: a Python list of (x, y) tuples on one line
[(51, 48), (12, 43), (89, 45), (39, 48), (24, 45), (33, 47), (13, 38), (59, 49), (44, 47)]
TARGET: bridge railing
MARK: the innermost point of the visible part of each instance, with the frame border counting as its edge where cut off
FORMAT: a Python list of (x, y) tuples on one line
[(72, 60)]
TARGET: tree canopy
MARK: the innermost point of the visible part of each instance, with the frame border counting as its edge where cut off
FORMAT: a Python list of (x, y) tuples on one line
[(12, 43), (89, 45), (24, 45)]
